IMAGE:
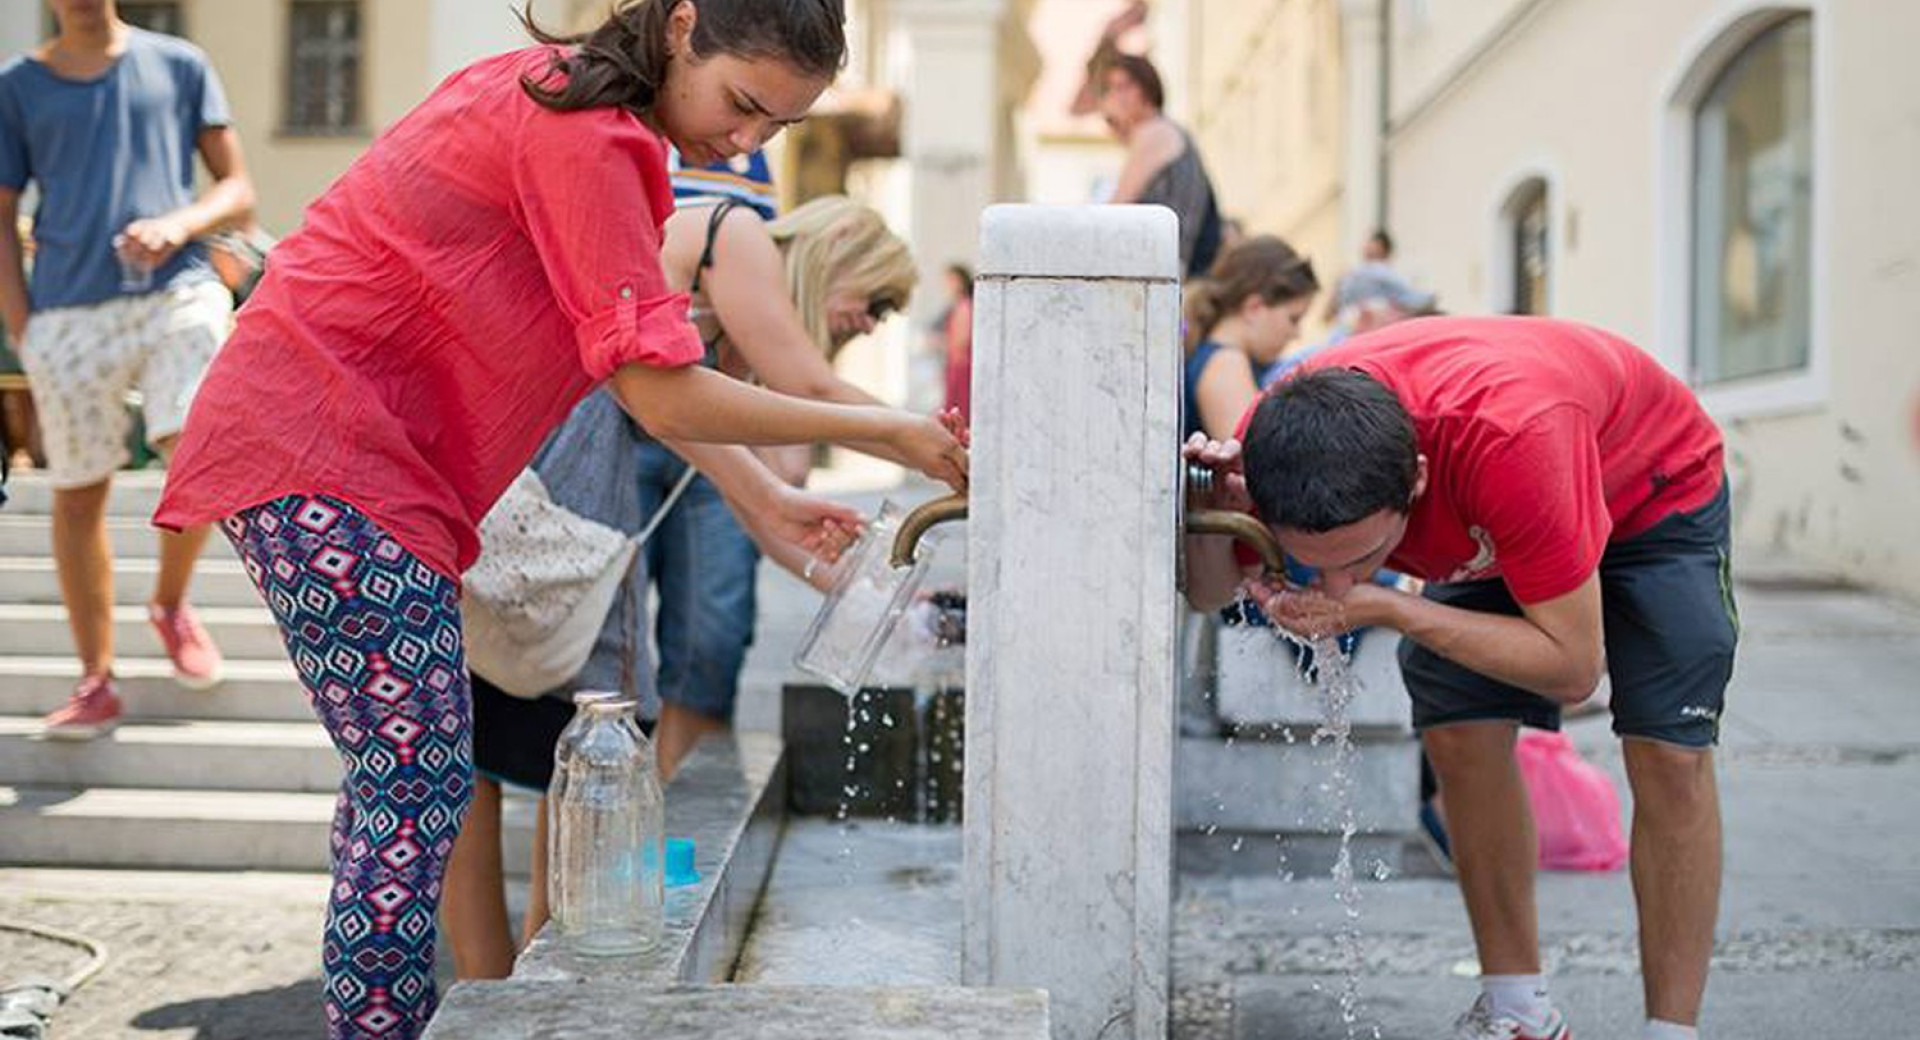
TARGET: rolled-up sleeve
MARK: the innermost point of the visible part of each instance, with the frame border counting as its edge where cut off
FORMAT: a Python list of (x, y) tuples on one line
[(591, 190)]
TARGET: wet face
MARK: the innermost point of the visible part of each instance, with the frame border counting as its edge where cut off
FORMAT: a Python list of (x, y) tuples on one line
[(717, 107), (1346, 556)]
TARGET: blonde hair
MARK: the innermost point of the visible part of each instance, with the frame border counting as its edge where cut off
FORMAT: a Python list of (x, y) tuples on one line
[(1263, 266), (834, 243)]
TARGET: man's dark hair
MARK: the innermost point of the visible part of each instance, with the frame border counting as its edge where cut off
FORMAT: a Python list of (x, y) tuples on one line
[(1329, 448), (1143, 75), (1383, 240)]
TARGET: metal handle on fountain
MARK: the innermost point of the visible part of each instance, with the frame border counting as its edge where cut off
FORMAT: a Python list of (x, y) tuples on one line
[(925, 517), (1200, 480)]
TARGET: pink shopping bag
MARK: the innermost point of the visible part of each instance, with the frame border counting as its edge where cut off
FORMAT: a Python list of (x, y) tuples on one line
[(1575, 808)]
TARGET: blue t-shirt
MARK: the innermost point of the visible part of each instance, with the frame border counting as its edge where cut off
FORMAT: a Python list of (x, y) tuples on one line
[(106, 152)]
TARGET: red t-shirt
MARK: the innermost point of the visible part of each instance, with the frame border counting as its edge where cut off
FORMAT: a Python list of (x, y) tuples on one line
[(1544, 440), (445, 305)]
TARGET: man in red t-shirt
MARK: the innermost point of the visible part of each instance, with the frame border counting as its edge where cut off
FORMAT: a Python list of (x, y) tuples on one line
[(1564, 498)]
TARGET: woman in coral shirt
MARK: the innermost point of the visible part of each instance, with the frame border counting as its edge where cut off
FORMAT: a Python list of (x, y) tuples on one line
[(492, 258)]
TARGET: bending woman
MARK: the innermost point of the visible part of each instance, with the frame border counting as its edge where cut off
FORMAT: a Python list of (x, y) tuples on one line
[(774, 302), (771, 300), (491, 259)]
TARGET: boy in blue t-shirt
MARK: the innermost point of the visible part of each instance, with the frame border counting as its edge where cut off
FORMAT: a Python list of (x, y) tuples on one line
[(104, 121)]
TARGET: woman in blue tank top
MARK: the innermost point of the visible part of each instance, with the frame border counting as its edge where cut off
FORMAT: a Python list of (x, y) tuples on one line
[(1239, 318)]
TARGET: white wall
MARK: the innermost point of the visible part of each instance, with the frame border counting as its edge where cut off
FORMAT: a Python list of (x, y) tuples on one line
[(1581, 92)]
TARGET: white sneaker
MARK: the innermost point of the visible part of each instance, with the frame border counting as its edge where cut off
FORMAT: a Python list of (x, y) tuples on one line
[(1480, 1023)]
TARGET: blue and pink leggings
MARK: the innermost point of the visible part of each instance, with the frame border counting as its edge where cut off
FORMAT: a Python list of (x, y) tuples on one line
[(374, 635)]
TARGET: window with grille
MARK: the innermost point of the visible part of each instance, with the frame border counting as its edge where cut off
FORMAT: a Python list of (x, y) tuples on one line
[(323, 67)]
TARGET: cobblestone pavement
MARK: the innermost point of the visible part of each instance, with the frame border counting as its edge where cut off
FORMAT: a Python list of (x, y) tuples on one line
[(185, 960)]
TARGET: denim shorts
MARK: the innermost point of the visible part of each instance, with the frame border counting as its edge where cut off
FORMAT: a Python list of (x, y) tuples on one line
[(703, 567), (1671, 626)]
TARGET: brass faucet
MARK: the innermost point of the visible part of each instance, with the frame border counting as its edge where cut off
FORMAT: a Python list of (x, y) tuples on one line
[(1243, 528), (926, 516)]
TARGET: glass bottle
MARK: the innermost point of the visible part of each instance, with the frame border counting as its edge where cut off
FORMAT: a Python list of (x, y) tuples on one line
[(606, 852)]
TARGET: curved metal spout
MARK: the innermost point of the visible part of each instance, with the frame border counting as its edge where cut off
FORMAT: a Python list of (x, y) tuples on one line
[(1243, 528), (924, 518)]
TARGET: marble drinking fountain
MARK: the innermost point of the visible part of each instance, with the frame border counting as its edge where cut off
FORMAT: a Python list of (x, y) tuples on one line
[(1066, 864)]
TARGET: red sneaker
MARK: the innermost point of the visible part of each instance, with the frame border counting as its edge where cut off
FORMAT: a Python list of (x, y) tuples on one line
[(196, 661), (93, 709)]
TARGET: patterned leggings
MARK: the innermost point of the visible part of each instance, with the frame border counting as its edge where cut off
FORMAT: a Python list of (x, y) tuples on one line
[(375, 637)]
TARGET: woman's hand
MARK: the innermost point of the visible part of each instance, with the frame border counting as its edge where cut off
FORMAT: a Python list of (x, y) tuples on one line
[(1229, 489), (822, 527), (936, 446)]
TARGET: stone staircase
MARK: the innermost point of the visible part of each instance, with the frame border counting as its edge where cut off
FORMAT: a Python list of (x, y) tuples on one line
[(236, 778), (1254, 796)]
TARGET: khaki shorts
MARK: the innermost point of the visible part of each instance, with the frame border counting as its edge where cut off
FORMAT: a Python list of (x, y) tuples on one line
[(81, 363)]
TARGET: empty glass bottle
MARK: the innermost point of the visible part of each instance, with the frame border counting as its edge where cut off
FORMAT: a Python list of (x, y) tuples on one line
[(606, 845)]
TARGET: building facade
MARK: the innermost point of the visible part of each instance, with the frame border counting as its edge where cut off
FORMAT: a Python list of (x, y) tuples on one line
[(1727, 182)]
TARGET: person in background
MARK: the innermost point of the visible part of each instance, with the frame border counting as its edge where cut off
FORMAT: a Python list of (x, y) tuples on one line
[(1239, 318), (489, 261), (956, 335), (743, 178), (1162, 164), (106, 120)]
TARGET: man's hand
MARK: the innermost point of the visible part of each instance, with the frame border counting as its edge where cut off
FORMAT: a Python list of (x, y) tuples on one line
[(153, 241), (1229, 484), (1312, 614)]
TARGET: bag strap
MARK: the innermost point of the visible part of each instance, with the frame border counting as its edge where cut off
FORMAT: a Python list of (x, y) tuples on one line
[(720, 211)]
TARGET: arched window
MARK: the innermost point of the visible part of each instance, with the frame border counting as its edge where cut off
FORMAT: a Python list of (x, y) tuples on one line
[(1523, 247), (1752, 203), (1531, 225)]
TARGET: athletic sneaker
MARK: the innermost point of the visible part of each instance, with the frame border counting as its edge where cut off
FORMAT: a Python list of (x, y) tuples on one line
[(93, 709), (196, 661), (1479, 1023)]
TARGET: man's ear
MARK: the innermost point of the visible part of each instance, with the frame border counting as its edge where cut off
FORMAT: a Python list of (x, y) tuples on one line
[(1419, 479)]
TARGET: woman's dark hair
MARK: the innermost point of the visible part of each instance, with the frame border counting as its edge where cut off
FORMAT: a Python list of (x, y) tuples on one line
[(1329, 448), (1263, 266), (963, 274), (624, 61), (1143, 75)]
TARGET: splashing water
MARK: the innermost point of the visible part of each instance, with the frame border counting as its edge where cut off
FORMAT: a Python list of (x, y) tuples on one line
[(1329, 670)]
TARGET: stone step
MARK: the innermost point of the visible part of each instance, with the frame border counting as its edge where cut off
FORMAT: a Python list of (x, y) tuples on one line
[(222, 756), (135, 494), (1259, 682), (611, 1008), (1272, 787), (38, 629), (217, 582), (254, 691), (24, 535), (171, 829)]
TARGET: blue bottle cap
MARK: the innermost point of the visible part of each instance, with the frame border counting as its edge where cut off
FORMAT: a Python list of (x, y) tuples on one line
[(680, 863)]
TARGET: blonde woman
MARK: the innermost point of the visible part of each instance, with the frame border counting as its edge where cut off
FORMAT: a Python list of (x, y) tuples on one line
[(843, 271), (772, 301)]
